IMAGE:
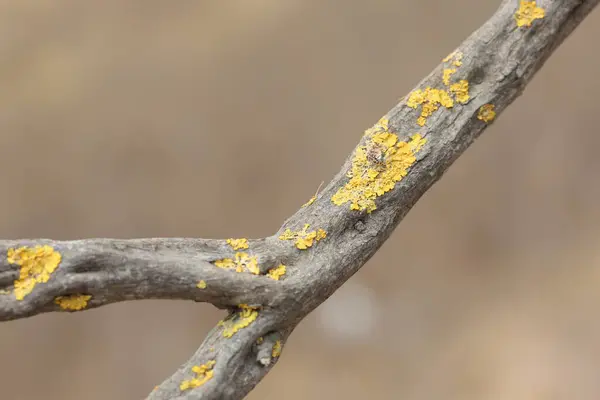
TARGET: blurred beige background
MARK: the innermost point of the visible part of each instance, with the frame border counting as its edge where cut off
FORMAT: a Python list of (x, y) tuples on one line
[(219, 119)]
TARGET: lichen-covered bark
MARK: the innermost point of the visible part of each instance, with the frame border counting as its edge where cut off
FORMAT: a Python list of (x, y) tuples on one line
[(111, 270), (269, 285)]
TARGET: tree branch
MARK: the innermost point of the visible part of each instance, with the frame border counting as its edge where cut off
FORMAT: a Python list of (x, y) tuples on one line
[(328, 239), (110, 270)]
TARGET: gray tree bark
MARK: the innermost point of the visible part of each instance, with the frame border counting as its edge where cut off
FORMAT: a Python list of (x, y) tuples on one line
[(269, 285)]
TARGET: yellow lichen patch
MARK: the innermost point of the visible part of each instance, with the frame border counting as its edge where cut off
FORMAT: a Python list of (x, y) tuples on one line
[(528, 12), (461, 91), (201, 284), (203, 373), (276, 352), (371, 178), (447, 74), (430, 99), (312, 199), (73, 302), (276, 273), (486, 113), (37, 264), (455, 57), (238, 244), (242, 319), (243, 262), (260, 340), (383, 125), (304, 238)]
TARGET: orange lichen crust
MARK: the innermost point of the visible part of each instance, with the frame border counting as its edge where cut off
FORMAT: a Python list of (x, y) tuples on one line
[(203, 373), (461, 91), (276, 273), (37, 264), (201, 284), (243, 262), (312, 199), (447, 74), (430, 99), (276, 352), (238, 244), (383, 125), (486, 113), (304, 238), (527, 13), (73, 302), (240, 320), (376, 167), (455, 57)]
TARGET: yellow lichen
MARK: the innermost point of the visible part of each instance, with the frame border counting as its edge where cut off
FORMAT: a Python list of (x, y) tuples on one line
[(203, 373), (304, 238), (260, 340), (240, 320), (461, 91), (243, 262), (312, 199), (238, 244), (447, 74), (486, 113), (73, 302), (456, 57), (371, 177), (527, 13), (381, 126), (276, 273), (430, 99), (276, 352), (201, 284), (37, 264)]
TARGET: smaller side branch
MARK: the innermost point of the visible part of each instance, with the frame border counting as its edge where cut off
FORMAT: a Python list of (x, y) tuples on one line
[(228, 367), (45, 275)]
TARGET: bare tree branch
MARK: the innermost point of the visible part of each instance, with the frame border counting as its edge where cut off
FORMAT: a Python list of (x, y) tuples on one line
[(320, 246)]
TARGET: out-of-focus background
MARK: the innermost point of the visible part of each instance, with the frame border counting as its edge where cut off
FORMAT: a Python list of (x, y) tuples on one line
[(217, 119)]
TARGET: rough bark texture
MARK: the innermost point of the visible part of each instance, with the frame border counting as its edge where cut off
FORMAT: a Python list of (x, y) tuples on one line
[(497, 61)]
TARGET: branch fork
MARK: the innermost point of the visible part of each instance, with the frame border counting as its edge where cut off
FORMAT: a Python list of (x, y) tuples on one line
[(269, 285)]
